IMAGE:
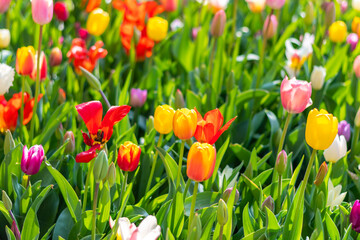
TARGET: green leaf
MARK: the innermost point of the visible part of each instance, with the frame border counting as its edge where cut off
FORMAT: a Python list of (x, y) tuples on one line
[(124, 96), (248, 221), (177, 207), (104, 206), (347, 233), (203, 200), (245, 96), (331, 228), (256, 235), (10, 235), (272, 225)]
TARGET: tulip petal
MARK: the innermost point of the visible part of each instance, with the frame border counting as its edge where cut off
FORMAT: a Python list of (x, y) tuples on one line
[(88, 155), (91, 113), (113, 116), (215, 117), (221, 131)]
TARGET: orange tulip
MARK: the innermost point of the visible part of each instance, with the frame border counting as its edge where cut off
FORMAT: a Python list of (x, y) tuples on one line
[(201, 161), (184, 123), (25, 60), (129, 156)]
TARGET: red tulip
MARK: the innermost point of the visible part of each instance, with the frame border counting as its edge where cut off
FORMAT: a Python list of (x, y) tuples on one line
[(129, 156), (61, 11)]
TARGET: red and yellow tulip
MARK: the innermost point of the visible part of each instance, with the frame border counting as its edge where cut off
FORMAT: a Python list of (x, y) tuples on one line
[(129, 156), (201, 161)]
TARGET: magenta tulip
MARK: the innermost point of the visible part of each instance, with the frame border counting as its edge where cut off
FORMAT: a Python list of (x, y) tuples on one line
[(275, 4), (355, 216), (31, 159), (61, 11), (138, 97), (42, 11), (295, 95), (4, 5)]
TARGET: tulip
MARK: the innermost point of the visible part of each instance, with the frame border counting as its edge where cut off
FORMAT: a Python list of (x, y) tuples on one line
[(4, 5), (269, 203), (194, 32), (321, 129), (111, 174), (356, 4), (338, 32), (9, 143), (344, 129), (222, 213), (97, 22), (275, 4), (201, 161), (157, 28), (218, 24), (355, 25), (42, 11), (4, 38), (179, 99), (129, 156), (317, 77), (216, 5), (70, 147), (295, 95), (337, 149), (329, 8), (270, 26), (355, 216), (335, 197), (25, 60), (83, 33), (43, 67), (227, 193), (256, 6), (61, 11), (281, 162), (137, 97), (356, 66), (184, 123), (55, 57), (31, 159), (169, 5), (7, 74), (61, 96), (309, 13), (352, 39), (163, 119), (101, 166), (343, 6), (321, 174)]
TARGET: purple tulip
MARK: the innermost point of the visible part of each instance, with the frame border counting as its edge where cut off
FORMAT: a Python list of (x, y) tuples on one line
[(344, 129), (355, 216), (138, 97), (352, 39), (31, 159)]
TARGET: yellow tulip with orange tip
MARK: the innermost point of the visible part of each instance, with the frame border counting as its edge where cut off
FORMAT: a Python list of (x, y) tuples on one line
[(337, 32), (201, 161), (157, 28), (97, 22), (321, 129), (25, 60), (184, 123), (163, 119)]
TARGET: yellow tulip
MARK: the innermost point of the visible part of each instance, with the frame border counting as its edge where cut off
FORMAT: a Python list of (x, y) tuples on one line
[(185, 123), (163, 119), (355, 25), (337, 32), (157, 28), (321, 129), (97, 22)]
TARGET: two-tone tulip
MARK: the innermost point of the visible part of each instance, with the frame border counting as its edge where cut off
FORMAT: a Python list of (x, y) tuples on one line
[(356, 66), (55, 57), (4, 38), (42, 11), (43, 67), (129, 156), (163, 119), (184, 123), (275, 4), (97, 22), (25, 60), (31, 159), (270, 26), (157, 28)]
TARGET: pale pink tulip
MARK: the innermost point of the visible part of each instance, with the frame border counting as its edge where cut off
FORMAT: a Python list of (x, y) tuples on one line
[(275, 4), (295, 95), (270, 26), (42, 11), (4, 5)]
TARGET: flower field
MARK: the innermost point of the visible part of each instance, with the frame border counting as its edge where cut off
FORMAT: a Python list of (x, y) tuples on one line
[(189, 119)]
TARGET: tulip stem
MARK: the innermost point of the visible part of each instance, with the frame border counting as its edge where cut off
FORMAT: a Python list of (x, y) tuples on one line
[(354, 143), (278, 202), (22, 104), (193, 201), (122, 193), (186, 188), (221, 232), (233, 26), (87, 185), (37, 86), (307, 173), (93, 231), (153, 166), (105, 99), (180, 163), (211, 63), (282, 139)]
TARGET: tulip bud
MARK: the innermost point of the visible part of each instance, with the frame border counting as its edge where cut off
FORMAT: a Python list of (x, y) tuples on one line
[(343, 6), (281, 162), (201, 161), (83, 33), (317, 77), (222, 213), (97, 22), (137, 97), (101, 166), (179, 99), (194, 32), (344, 129), (356, 4), (61, 11), (92, 80), (15, 230), (70, 147), (7, 201), (270, 26), (9, 143), (309, 13), (55, 57), (4, 5), (321, 174), (269, 203), (195, 231), (61, 96), (356, 66), (352, 39), (329, 8), (354, 216), (218, 24), (4, 38), (357, 119), (275, 4), (111, 175), (157, 28), (42, 11), (136, 36), (227, 193), (31, 159)]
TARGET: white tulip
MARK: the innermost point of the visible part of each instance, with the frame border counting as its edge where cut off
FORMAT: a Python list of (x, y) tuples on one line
[(334, 196), (317, 77), (4, 38), (356, 4), (7, 74), (337, 149)]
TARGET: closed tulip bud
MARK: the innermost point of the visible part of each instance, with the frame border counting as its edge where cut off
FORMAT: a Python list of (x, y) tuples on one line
[(356, 66), (179, 99), (25, 60), (356, 4), (352, 39), (129, 156), (295, 95), (61, 11), (321, 174), (136, 36), (309, 13), (4, 5), (137, 97), (317, 77), (337, 149), (201, 161), (184, 123), (97, 22), (15, 230), (227, 193), (157, 28), (61, 96), (321, 129), (269, 203), (9, 143), (281, 162), (357, 119), (111, 175), (42, 11), (338, 32), (355, 216), (275, 4), (55, 57), (195, 230), (329, 8), (222, 213), (344, 129), (31, 159), (6, 200), (270, 26), (101, 166), (218, 24), (70, 147), (169, 5), (4, 38), (343, 6), (163, 119)]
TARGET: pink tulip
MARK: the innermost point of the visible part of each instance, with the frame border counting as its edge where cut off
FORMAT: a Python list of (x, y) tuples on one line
[(295, 95), (61, 11), (4, 5), (83, 33), (343, 6), (275, 4), (31, 159), (138, 97), (169, 5), (270, 26), (356, 66), (42, 11), (55, 57), (218, 24), (352, 39)]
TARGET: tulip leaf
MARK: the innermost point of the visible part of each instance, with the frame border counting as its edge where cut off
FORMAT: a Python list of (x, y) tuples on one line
[(5, 212), (10, 235), (104, 206), (246, 96), (331, 228), (203, 200), (208, 217), (124, 95), (256, 235), (175, 218), (272, 225), (248, 221), (347, 233)]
